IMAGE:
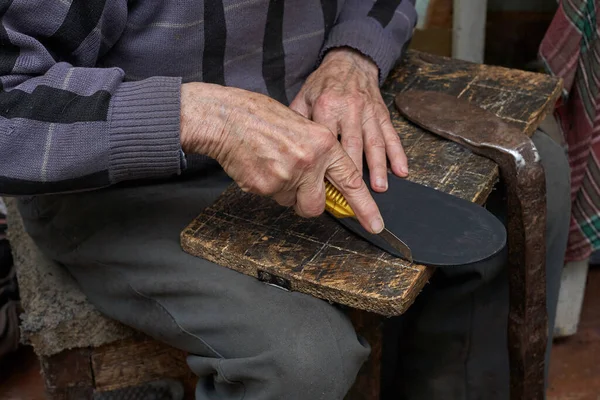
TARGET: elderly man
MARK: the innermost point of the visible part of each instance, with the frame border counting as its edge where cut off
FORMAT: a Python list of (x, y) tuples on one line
[(120, 120)]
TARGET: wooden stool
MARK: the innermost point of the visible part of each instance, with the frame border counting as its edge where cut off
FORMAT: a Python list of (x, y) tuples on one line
[(257, 237), (82, 353), (85, 355)]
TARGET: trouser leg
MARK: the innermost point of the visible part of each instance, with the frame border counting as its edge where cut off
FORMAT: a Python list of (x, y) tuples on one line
[(246, 339), (256, 341), (453, 340)]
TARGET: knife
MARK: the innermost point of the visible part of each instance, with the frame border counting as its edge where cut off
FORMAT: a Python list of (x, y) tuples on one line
[(337, 205)]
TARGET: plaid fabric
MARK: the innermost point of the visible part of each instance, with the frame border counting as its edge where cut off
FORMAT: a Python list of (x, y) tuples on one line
[(571, 51)]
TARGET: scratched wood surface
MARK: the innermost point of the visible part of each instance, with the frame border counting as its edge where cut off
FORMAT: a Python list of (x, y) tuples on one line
[(111, 371), (255, 236)]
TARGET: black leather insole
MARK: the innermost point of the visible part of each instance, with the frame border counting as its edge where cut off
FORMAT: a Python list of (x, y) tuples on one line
[(440, 229)]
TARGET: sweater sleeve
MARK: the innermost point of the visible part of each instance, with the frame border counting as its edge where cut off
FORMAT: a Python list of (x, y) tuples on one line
[(379, 30), (66, 125)]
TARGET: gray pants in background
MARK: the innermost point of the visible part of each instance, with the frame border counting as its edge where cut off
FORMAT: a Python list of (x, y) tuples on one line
[(255, 342)]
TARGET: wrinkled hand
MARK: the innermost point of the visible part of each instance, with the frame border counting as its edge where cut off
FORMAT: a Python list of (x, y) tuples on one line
[(270, 150), (343, 94)]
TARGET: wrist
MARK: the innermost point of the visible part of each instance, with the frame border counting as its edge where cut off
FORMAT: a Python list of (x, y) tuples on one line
[(202, 124), (354, 58)]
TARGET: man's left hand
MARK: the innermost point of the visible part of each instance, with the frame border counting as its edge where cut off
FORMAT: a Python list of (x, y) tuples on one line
[(343, 94)]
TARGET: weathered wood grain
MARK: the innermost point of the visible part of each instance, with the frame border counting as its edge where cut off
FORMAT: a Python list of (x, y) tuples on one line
[(104, 371), (263, 238), (68, 375), (257, 237), (136, 361)]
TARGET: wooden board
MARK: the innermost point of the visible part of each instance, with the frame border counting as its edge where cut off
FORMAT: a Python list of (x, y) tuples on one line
[(68, 375), (131, 362), (80, 373), (255, 236)]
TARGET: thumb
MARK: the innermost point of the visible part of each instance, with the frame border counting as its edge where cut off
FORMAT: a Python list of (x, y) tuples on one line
[(342, 173)]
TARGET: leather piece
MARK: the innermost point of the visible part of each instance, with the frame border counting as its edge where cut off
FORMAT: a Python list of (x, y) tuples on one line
[(486, 134), (441, 230)]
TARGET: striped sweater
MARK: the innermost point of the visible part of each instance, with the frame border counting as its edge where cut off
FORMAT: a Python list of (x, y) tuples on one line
[(90, 89)]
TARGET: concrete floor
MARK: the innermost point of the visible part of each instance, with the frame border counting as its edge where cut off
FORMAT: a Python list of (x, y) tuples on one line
[(575, 365), (574, 370)]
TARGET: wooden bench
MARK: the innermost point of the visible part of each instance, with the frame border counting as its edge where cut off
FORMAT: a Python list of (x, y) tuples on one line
[(83, 354)]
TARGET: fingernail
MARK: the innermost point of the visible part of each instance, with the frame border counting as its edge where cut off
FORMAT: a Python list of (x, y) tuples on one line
[(381, 183), (377, 225), (404, 170)]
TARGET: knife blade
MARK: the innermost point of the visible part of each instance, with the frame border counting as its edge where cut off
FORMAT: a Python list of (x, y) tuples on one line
[(337, 205)]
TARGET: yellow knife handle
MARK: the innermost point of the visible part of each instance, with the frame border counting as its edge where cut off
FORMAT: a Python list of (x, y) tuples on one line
[(335, 202)]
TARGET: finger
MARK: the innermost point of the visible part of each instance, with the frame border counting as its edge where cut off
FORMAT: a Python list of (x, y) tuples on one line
[(394, 149), (375, 152), (286, 199), (342, 173), (310, 199), (301, 106), (352, 140)]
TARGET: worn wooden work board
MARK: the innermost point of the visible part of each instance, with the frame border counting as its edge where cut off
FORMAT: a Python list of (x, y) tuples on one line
[(255, 236)]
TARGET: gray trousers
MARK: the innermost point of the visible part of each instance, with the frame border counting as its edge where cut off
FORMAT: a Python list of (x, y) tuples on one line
[(251, 341)]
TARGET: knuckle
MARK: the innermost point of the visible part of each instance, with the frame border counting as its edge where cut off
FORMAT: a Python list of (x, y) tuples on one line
[(375, 142), (352, 142), (379, 170), (280, 173), (369, 112), (311, 209), (324, 101), (328, 100), (264, 187), (304, 157), (354, 181), (285, 201), (393, 139), (298, 210), (261, 190), (310, 201), (357, 99), (311, 212)]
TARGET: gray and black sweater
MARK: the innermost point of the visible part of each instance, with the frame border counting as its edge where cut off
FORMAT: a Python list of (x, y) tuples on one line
[(90, 89)]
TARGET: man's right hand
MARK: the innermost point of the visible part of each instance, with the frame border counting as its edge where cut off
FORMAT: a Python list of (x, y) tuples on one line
[(270, 150)]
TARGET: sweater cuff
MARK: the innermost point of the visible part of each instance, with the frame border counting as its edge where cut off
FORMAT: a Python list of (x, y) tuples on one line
[(144, 130), (367, 37)]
